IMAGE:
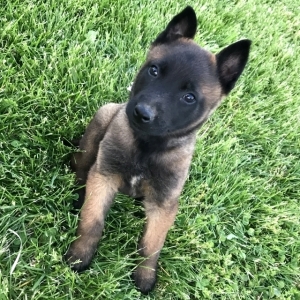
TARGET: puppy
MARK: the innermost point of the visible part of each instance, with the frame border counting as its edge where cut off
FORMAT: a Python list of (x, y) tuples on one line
[(143, 148)]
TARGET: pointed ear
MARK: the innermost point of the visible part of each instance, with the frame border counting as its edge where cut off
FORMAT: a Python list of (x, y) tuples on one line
[(182, 25), (231, 62)]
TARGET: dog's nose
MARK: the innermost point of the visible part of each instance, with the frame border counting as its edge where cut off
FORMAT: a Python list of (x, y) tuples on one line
[(143, 113)]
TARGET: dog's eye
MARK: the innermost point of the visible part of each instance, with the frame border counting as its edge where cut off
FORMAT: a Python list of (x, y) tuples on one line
[(189, 98), (153, 71)]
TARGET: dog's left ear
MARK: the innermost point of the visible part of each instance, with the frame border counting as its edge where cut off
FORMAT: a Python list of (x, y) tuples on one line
[(231, 62), (182, 25)]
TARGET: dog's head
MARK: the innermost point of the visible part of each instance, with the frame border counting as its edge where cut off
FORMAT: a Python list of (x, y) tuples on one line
[(181, 84)]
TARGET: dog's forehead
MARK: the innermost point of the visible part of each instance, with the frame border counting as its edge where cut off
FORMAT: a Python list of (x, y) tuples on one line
[(182, 52)]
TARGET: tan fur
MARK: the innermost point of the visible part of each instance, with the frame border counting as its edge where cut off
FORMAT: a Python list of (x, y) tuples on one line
[(213, 59), (159, 220), (100, 191), (82, 161), (156, 53)]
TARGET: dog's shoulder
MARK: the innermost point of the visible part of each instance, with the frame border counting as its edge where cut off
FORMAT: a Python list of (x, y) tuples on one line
[(108, 112), (99, 126)]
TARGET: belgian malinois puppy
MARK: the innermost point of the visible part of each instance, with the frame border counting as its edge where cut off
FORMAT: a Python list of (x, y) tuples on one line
[(143, 148)]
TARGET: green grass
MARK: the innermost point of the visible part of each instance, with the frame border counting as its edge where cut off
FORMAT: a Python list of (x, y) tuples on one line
[(237, 234)]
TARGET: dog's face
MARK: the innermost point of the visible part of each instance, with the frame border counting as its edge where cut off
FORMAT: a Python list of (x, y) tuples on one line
[(176, 89), (181, 84)]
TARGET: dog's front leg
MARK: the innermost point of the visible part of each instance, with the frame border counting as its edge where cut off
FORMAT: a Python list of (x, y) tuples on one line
[(100, 192), (160, 217)]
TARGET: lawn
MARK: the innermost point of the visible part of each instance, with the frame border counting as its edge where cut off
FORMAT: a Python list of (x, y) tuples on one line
[(237, 233)]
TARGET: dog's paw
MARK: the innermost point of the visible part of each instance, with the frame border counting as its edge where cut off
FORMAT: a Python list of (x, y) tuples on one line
[(78, 260), (144, 279)]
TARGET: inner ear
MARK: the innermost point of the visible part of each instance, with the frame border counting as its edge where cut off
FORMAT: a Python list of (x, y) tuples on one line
[(231, 62), (182, 25)]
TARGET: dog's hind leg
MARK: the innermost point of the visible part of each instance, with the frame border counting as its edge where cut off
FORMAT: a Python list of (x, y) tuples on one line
[(82, 161), (160, 218)]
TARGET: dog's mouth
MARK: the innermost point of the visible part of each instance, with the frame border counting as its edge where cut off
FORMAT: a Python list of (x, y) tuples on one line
[(147, 130)]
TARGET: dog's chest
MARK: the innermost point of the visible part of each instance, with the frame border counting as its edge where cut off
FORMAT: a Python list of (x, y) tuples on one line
[(135, 181), (135, 185)]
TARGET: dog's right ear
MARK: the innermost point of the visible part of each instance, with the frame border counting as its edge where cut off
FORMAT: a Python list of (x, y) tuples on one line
[(182, 25)]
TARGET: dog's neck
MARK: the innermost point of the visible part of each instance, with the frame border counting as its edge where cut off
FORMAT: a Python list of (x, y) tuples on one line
[(164, 143)]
